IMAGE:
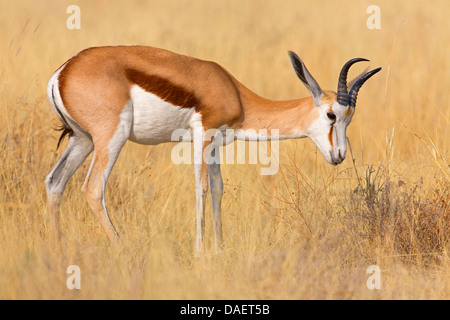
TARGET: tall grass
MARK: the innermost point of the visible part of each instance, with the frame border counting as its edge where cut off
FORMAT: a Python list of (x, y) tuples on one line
[(308, 232)]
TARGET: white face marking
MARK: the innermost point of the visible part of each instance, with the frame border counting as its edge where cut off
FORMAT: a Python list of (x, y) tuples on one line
[(154, 119), (319, 133)]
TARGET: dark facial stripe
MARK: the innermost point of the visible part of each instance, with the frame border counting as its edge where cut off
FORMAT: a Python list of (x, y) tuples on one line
[(330, 137), (163, 88)]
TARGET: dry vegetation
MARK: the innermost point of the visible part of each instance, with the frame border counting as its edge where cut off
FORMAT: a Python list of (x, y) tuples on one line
[(308, 232)]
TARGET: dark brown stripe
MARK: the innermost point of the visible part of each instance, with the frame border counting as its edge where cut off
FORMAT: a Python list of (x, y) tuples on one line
[(330, 137), (163, 88)]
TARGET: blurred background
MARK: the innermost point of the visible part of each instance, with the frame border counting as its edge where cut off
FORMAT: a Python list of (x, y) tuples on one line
[(308, 232)]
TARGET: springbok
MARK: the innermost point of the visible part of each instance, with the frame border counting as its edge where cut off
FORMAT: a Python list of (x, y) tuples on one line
[(105, 96)]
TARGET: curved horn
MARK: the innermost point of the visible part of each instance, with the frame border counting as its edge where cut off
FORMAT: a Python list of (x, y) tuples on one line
[(342, 94), (358, 84)]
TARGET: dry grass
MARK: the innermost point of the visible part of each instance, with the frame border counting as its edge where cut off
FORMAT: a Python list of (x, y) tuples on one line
[(309, 232)]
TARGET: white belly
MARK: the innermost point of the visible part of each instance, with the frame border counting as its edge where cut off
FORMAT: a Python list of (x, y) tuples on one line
[(154, 119)]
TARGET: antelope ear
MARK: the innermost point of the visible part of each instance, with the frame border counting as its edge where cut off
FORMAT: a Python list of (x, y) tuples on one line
[(307, 79)]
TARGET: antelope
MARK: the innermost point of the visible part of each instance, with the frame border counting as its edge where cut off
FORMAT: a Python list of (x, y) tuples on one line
[(105, 96)]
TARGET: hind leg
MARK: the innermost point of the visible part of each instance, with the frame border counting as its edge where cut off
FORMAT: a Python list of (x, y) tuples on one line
[(78, 148), (105, 156), (94, 191)]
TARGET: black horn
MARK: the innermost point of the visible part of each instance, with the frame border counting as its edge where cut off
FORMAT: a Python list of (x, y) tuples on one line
[(342, 94), (358, 84)]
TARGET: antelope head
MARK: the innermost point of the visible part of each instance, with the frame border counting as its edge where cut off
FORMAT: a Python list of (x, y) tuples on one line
[(335, 111)]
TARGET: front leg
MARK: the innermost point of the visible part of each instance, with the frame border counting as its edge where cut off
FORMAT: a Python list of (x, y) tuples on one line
[(201, 186), (216, 187)]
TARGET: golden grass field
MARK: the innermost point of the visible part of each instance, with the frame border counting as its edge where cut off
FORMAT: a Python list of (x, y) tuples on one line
[(308, 232)]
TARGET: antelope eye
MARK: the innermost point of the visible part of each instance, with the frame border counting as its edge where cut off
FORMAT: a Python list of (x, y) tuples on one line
[(331, 116)]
